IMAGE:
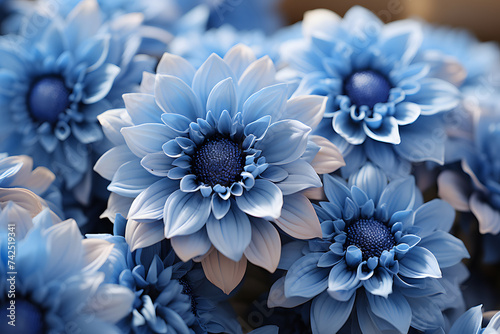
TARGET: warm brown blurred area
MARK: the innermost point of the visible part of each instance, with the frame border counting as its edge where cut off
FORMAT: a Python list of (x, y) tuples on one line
[(479, 16)]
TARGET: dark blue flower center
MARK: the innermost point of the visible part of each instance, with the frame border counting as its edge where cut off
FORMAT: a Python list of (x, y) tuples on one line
[(47, 98), (188, 291), (219, 160), (28, 317), (370, 236), (367, 88)]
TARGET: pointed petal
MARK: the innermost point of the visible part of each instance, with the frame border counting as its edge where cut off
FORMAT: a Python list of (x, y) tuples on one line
[(222, 272), (190, 246), (147, 138), (223, 97), (329, 315), (305, 278), (329, 158), (298, 218), (176, 66), (264, 249), (277, 296), (109, 162), (269, 101), (141, 235), (131, 179), (419, 263), (150, 203), (454, 190), (394, 309), (263, 200)]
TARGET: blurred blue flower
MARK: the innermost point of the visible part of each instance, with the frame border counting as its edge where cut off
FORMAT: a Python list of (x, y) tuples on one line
[(18, 172), (477, 190), (385, 260), (57, 285), (383, 106), (55, 78), (210, 157), (170, 295), (470, 323)]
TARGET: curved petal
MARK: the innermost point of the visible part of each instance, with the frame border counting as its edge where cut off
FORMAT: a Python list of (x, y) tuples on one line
[(301, 176), (335, 190), (371, 180), (131, 179), (380, 284), (406, 113), (469, 322), (259, 74), (239, 57), (98, 83), (329, 158), (190, 246), (454, 190), (399, 195), (435, 95), (277, 296), (328, 315), (264, 249), (308, 109), (185, 213), (147, 138), (223, 97), (264, 200), (150, 203), (232, 234), (488, 217), (140, 235), (351, 131), (305, 278), (109, 162), (174, 96), (142, 108), (342, 282), (298, 218), (285, 142), (447, 249), (394, 309), (222, 272), (269, 101), (176, 66), (419, 263), (434, 215), (388, 132)]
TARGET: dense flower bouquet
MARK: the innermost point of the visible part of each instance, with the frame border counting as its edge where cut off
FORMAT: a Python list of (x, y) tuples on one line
[(195, 167)]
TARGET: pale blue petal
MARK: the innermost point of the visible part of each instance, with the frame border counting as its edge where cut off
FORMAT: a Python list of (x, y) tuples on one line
[(258, 128), (447, 249), (131, 179), (371, 179), (419, 263), (435, 96), (176, 66), (264, 200), (387, 132), (399, 195), (301, 175), (380, 283), (394, 309), (406, 113), (223, 97), (232, 234), (351, 131), (329, 315), (150, 203), (185, 213), (157, 163), (335, 190), (176, 122), (98, 83), (469, 322), (305, 278), (142, 108), (434, 215), (261, 73), (190, 246), (342, 282), (270, 101), (285, 142), (219, 206), (147, 138), (174, 96)]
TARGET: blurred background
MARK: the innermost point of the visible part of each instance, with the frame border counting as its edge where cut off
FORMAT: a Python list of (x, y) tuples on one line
[(479, 16)]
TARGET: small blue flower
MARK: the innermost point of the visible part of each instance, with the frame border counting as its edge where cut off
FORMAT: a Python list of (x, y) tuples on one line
[(478, 190), (55, 79), (212, 157), (385, 261), (57, 285), (383, 106), (170, 295), (470, 323)]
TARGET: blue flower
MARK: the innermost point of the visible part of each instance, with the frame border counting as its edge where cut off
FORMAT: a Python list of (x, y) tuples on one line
[(210, 157), (170, 295), (57, 286), (385, 261), (470, 323), (55, 79), (383, 106), (477, 190)]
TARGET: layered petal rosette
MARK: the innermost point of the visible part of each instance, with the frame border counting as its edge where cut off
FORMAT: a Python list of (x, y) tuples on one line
[(55, 78), (170, 295), (53, 276), (385, 262), (476, 188), (213, 157), (383, 105)]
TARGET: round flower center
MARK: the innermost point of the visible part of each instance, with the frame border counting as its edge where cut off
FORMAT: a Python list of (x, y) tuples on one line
[(48, 97), (370, 236), (367, 88), (28, 317), (218, 160)]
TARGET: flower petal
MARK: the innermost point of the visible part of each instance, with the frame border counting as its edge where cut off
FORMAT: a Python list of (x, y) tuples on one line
[(142, 108), (351, 131), (259, 74), (298, 218), (305, 278), (488, 218), (264, 249), (388, 132), (406, 113), (176, 66), (150, 203), (419, 263), (328, 315), (141, 235), (269, 101), (342, 282), (190, 246), (469, 322), (222, 272), (174, 96), (434, 215), (394, 309), (147, 138), (399, 195), (454, 190), (264, 200), (232, 234), (109, 162), (329, 158), (447, 249), (223, 97), (380, 284), (131, 179), (277, 296), (301, 176), (185, 213), (308, 109)]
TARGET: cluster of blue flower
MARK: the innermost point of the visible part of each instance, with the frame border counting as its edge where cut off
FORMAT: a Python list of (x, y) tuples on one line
[(212, 136)]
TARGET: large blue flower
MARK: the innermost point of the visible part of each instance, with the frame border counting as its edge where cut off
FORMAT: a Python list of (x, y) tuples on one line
[(57, 285), (382, 105), (470, 323), (169, 294), (385, 261), (55, 78), (212, 157), (479, 191)]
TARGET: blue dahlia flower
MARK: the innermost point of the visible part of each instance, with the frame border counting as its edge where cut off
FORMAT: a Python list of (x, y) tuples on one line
[(57, 286), (55, 79), (170, 295), (385, 262), (211, 157), (382, 105), (470, 323), (477, 190)]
